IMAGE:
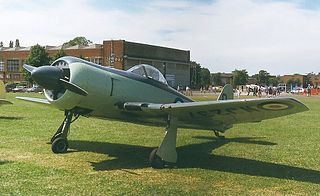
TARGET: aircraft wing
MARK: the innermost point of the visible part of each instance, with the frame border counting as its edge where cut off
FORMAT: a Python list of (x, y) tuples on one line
[(3, 101), (35, 100), (222, 114)]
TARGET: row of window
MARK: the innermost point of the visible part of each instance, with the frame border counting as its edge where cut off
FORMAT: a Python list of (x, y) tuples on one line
[(96, 60), (11, 76), (13, 65)]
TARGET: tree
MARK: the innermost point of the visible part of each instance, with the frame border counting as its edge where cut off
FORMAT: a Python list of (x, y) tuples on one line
[(290, 82), (195, 74), (11, 44), (1, 44), (274, 81), (59, 54), (17, 45), (37, 57), (204, 77), (240, 77), (216, 79), (78, 41), (263, 77)]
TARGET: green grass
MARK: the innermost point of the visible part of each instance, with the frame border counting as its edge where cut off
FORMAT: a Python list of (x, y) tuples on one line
[(275, 157)]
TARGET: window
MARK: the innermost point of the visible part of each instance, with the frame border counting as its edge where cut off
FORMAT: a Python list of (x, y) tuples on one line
[(96, 60), (15, 76), (1, 65), (13, 65)]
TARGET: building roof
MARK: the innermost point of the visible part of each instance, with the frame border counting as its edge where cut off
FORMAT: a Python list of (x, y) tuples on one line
[(25, 48), (91, 46), (3, 48), (56, 47)]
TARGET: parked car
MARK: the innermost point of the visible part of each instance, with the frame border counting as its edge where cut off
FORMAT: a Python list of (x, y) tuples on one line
[(10, 86), (35, 89), (297, 90), (19, 89)]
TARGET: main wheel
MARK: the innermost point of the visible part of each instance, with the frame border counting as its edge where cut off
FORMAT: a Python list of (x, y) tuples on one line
[(155, 161), (57, 135), (60, 145)]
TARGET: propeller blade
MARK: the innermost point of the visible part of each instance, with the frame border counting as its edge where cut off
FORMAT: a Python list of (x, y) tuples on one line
[(50, 77), (72, 87), (29, 68)]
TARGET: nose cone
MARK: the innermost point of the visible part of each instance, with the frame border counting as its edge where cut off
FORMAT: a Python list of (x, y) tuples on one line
[(47, 77)]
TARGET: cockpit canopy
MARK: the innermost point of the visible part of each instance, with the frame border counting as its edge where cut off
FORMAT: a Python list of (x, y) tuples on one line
[(148, 71)]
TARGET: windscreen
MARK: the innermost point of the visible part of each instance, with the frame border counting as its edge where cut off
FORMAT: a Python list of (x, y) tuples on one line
[(148, 71)]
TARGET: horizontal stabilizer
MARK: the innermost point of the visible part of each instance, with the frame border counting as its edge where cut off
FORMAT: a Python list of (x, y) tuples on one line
[(3, 101), (2, 94)]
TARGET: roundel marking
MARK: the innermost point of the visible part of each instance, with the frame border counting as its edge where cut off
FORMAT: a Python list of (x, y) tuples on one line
[(274, 106)]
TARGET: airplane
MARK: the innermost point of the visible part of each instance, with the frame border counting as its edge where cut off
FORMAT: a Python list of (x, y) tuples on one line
[(2, 94), (141, 95)]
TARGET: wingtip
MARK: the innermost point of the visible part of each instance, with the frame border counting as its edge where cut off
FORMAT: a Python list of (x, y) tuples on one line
[(301, 104)]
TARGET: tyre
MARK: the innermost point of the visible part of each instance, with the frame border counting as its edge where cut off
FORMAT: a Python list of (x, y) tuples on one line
[(155, 161), (59, 145)]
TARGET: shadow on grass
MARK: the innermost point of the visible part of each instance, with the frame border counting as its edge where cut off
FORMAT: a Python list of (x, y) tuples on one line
[(196, 156), (2, 162), (10, 118), (125, 156)]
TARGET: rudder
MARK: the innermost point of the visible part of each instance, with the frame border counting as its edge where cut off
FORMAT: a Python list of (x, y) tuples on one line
[(226, 93)]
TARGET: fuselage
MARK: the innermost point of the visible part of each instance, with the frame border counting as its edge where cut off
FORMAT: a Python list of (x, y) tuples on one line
[(108, 89)]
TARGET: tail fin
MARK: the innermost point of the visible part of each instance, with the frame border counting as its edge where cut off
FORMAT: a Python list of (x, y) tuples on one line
[(226, 93), (2, 90)]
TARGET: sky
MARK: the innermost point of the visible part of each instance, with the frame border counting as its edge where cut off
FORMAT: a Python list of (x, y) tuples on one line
[(279, 36)]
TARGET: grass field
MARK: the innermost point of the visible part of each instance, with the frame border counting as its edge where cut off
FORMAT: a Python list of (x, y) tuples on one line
[(275, 157)]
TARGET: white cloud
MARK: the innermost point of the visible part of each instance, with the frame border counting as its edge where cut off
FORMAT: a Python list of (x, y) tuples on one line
[(280, 37)]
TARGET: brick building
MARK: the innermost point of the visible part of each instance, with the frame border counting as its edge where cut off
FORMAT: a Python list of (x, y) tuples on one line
[(121, 54), (295, 80), (314, 79)]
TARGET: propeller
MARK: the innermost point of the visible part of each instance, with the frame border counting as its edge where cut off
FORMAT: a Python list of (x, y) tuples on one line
[(52, 78)]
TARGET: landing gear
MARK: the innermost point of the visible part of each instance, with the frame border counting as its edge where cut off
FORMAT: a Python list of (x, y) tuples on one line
[(59, 141), (166, 154), (155, 161), (217, 134)]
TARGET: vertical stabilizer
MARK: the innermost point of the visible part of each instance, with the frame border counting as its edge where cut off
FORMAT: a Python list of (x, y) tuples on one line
[(226, 93), (2, 90)]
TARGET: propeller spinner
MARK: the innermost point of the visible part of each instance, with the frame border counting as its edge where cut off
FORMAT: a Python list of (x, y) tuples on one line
[(52, 78)]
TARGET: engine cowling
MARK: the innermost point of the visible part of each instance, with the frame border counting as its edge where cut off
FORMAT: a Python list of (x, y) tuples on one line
[(61, 97)]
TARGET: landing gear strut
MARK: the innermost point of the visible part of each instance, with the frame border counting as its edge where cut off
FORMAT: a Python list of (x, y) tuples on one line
[(59, 141), (166, 154)]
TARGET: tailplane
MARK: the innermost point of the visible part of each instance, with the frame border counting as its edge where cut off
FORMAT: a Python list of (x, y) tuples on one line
[(226, 93), (2, 94), (2, 90)]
